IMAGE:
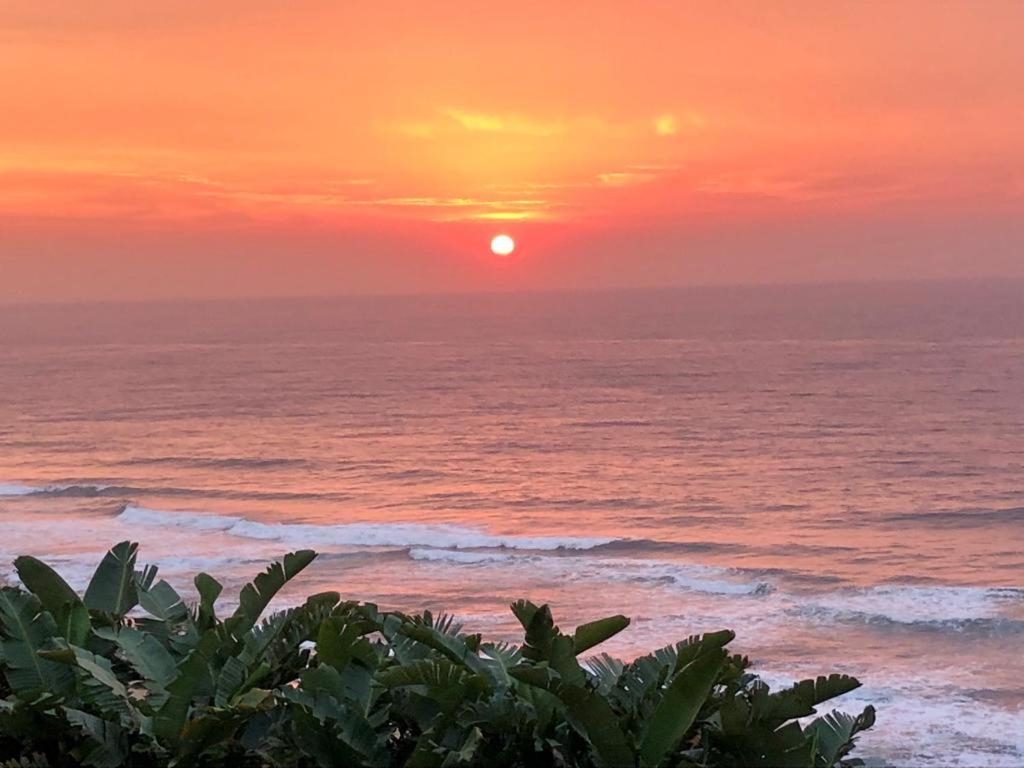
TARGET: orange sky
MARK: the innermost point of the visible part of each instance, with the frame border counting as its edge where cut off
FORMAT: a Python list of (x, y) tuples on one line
[(246, 147)]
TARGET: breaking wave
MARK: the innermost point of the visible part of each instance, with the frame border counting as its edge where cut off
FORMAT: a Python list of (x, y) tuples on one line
[(685, 576), (355, 534), (85, 491), (997, 609)]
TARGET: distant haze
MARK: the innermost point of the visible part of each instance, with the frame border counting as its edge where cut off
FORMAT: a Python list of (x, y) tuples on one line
[(254, 148)]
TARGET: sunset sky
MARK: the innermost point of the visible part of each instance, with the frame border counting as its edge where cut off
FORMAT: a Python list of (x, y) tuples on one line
[(243, 147)]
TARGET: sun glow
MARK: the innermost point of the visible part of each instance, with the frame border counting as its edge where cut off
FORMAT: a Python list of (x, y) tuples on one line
[(502, 245)]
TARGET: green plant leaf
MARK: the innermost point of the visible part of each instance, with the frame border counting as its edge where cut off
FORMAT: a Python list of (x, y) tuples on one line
[(209, 590), (106, 748), (592, 715), (179, 687), (596, 632), (112, 588), (162, 601), (336, 642), (99, 686), (148, 656), (679, 707), (26, 630), (73, 623), (171, 718), (801, 699), (255, 596), (434, 673), (45, 583), (459, 649), (834, 734)]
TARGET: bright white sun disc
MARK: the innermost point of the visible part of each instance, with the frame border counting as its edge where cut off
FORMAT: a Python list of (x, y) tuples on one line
[(502, 245)]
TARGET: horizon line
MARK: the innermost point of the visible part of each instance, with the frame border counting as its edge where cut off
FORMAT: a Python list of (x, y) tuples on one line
[(584, 291)]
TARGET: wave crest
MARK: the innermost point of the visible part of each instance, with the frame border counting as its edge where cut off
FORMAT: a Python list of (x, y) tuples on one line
[(356, 534)]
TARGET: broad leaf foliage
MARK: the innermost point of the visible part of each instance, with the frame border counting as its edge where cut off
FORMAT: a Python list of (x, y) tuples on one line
[(131, 675)]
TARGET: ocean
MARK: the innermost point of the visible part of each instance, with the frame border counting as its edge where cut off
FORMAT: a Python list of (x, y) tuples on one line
[(836, 472)]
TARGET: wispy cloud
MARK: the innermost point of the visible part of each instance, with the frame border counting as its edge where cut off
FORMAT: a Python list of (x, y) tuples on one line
[(625, 178), (494, 123), (465, 208), (811, 187), (671, 124)]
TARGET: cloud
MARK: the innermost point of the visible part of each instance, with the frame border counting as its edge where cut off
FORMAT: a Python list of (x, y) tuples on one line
[(809, 187), (476, 121), (625, 178), (491, 123), (465, 208), (637, 173), (669, 124)]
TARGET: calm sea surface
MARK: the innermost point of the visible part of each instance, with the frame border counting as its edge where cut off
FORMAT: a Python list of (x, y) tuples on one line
[(835, 472)]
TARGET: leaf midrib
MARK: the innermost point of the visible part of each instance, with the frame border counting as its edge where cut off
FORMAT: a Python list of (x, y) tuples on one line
[(36, 661)]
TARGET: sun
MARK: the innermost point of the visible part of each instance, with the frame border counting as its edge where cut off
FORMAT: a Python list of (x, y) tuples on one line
[(502, 245)]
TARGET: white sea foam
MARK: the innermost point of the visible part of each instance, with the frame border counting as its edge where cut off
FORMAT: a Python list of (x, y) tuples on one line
[(17, 489), (688, 576), (135, 515), (460, 557), (13, 489), (356, 534), (918, 604)]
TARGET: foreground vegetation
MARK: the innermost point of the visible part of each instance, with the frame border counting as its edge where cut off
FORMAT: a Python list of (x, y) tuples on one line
[(129, 675)]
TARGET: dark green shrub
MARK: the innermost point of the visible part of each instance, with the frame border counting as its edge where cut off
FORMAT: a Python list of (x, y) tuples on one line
[(129, 675)]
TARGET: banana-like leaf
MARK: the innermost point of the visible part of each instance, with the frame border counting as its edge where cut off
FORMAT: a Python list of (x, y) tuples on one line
[(592, 716), (755, 745), (452, 645), (342, 646), (679, 706), (230, 680), (73, 623), (498, 659), (26, 629), (596, 632), (258, 642), (337, 642), (538, 675), (540, 628), (192, 673), (544, 642), (433, 673), (209, 590), (36, 760), (801, 699), (466, 753), (45, 583), (587, 711), (606, 670), (112, 588), (449, 686), (148, 656), (162, 601), (214, 727), (106, 747), (834, 734), (254, 597), (99, 685), (332, 733), (679, 655), (381, 689)]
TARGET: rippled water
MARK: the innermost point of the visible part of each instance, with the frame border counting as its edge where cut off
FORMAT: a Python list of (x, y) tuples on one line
[(835, 472)]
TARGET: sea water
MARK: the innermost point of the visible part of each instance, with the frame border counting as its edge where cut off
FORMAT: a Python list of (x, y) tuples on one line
[(835, 472)]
